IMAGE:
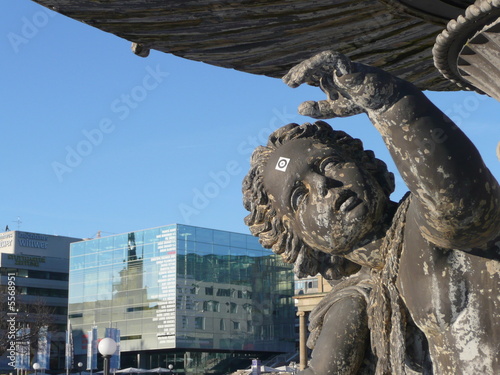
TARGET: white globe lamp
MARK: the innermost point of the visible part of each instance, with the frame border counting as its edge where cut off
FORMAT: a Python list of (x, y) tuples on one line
[(36, 367), (107, 347)]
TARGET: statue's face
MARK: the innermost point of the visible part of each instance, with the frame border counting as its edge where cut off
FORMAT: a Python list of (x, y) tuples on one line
[(331, 202)]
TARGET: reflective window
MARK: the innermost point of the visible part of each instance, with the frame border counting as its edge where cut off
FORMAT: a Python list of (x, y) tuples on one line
[(199, 322), (253, 243), (221, 238), (204, 235), (238, 240), (233, 308), (183, 287)]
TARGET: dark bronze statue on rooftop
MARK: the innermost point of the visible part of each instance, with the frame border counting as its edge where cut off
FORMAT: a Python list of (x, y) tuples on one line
[(421, 278)]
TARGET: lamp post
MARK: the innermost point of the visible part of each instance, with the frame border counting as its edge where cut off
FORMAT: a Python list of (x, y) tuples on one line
[(80, 365), (170, 367), (36, 367), (107, 347)]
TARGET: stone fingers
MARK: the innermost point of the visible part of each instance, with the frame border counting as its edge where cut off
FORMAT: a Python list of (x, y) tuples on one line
[(325, 109), (305, 72), (312, 70)]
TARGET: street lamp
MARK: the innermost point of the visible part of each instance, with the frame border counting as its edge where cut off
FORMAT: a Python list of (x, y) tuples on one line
[(170, 367), (36, 367), (107, 347), (80, 365)]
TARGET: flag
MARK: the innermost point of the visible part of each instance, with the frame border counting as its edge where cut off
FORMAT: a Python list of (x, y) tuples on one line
[(43, 354), (69, 347), (114, 333), (92, 349), (256, 366), (23, 349)]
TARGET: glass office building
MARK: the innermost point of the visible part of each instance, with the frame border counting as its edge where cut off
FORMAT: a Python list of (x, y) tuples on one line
[(182, 295)]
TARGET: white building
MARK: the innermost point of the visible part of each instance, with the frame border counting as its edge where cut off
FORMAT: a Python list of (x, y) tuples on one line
[(34, 271)]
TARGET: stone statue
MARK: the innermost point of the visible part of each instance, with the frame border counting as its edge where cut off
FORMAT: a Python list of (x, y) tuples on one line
[(420, 279)]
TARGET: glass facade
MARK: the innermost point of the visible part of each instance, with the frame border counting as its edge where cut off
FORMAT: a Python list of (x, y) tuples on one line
[(182, 287)]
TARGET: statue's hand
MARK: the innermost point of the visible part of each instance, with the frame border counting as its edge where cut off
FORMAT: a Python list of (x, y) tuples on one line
[(320, 70), (350, 88), (312, 70)]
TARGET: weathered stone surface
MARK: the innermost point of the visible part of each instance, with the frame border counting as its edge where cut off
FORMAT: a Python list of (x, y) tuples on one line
[(468, 51), (425, 271), (269, 37)]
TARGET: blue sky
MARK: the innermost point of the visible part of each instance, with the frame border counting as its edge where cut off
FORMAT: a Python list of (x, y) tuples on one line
[(95, 138)]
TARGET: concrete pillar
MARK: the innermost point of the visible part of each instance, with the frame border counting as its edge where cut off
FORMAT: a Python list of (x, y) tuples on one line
[(302, 340)]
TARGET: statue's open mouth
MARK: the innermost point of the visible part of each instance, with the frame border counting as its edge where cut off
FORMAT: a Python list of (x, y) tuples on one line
[(346, 201)]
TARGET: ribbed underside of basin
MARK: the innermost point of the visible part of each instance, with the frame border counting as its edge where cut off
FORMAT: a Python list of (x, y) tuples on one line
[(269, 37)]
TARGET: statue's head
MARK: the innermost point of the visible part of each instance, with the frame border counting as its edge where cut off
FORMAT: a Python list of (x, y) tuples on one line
[(314, 191)]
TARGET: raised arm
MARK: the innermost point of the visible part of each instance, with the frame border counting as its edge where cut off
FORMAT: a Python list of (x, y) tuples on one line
[(457, 199)]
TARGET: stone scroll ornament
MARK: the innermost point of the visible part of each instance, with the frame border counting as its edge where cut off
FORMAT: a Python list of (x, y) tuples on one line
[(416, 283)]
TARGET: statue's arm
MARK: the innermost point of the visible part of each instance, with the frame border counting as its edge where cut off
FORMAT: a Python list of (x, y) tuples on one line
[(457, 201)]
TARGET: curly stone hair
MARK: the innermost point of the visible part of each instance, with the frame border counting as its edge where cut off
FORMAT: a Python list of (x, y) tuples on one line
[(274, 232)]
